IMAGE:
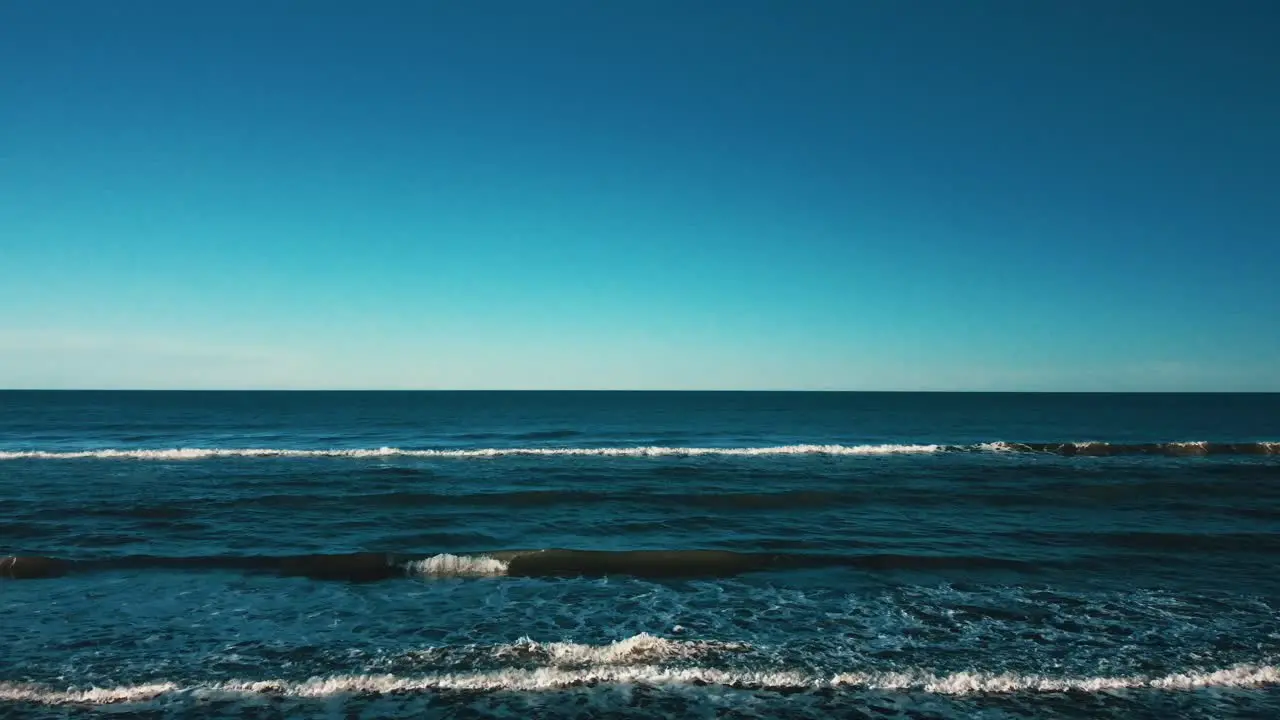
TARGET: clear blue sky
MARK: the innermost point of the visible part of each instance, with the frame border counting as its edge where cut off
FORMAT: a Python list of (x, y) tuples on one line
[(1000, 195)]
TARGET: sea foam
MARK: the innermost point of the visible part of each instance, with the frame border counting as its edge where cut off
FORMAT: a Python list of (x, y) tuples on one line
[(650, 451), (611, 673), (1088, 448), (447, 565), (637, 649)]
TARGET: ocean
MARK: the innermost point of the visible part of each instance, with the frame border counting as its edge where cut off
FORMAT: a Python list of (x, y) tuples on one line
[(639, 554)]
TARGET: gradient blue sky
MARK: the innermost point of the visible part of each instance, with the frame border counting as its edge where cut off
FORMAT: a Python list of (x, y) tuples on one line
[(1000, 195)]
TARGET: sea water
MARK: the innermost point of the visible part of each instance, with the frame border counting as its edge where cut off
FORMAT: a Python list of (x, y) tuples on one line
[(473, 554)]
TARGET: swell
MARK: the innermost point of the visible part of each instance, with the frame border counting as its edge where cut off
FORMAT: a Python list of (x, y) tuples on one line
[(1174, 449), (1069, 449), (551, 678), (1164, 542), (384, 452), (1233, 488), (547, 498), (361, 567)]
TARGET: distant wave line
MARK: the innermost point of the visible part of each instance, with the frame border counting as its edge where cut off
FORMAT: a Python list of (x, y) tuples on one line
[(554, 678), (1191, 448), (383, 452), (550, 562)]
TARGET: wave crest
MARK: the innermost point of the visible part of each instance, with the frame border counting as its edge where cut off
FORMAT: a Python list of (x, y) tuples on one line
[(383, 452), (637, 649), (552, 678), (1090, 448), (448, 565)]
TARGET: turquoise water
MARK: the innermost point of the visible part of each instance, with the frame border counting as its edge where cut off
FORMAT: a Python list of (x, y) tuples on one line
[(669, 554)]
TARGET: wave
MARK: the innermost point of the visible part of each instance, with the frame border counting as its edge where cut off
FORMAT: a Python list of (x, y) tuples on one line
[(384, 452), (637, 649), (448, 565), (545, 498), (1095, 449), (1165, 543), (553, 678), (1173, 449), (549, 563)]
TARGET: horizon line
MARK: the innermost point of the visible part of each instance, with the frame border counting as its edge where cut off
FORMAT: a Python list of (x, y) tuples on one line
[(647, 390)]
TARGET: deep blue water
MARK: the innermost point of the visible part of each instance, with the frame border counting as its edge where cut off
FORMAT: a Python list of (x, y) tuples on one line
[(247, 554)]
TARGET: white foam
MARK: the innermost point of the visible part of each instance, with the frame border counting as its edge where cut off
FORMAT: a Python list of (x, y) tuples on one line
[(446, 565), (1271, 447), (31, 693), (653, 451), (967, 683), (552, 678), (637, 649)]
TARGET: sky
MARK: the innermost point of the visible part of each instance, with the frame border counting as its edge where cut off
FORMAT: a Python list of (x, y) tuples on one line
[(641, 194)]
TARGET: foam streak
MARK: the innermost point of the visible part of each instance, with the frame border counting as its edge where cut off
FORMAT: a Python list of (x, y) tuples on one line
[(553, 678), (447, 565), (384, 452), (1176, 449)]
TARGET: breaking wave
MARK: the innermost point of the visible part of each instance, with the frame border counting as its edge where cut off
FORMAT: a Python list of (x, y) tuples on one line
[(1064, 448), (447, 565), (611, 673), (1174, 449), (209, 453), (637, 649), (364, 567)]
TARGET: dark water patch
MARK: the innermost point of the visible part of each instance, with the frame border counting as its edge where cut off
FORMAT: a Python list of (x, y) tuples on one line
[(794, 500), (641, 527), (22, 530), (1015, 471), (32, 567), (683, 471), (785, 500), (641, 563), (1191, 542), (1256, 468), (146, 512), (476, 435), (283, 500), (140, 438), (517, 499), (397, 471), (178, 526), (522, 563), (941, 562), (774, 544), (93, 507), (104, 539), (439, 539), (355, 566), (559, 434), (547, 434), (1259, 513), (1172, 486), (1176, 545), (720, 563)]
